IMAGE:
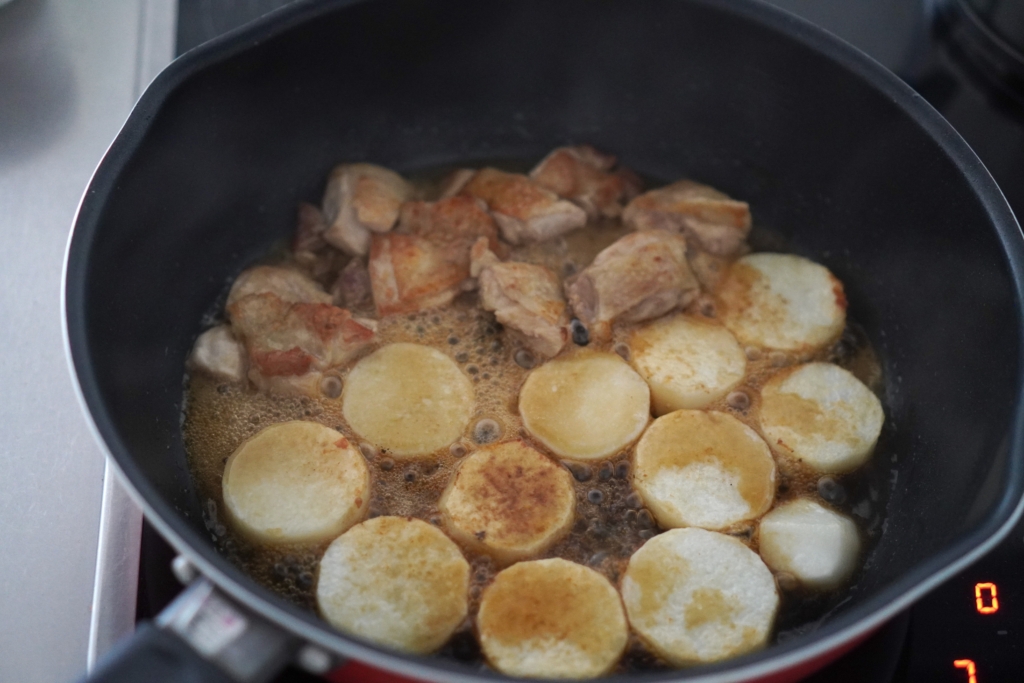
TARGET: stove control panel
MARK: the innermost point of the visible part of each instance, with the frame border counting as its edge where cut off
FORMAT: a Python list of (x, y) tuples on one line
[(971, 629)]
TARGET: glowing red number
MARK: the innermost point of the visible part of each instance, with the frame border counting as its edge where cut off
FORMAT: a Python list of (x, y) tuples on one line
[(980, 590), (972, 671)]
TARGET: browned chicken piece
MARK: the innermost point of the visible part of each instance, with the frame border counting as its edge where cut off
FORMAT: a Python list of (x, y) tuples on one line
[(423, 263), (286, 283), (361, 199), (525, 211), (526, 299), (352, 288), (584, 176), (289, 344), (708, 268), (310, 250), (409, 273), (641, 276), (711, 220), (217, 353), (309, 230), (453, 224), (307, 384), (455, 181)]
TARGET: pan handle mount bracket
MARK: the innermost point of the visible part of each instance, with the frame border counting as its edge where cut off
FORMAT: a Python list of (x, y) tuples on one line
[(202, 636), (242, 644)]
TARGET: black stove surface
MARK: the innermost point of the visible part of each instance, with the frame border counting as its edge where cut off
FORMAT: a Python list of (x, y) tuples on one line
[(965, 58)]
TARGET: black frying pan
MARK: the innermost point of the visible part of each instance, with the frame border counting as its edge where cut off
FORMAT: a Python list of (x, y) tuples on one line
[(833, 153)]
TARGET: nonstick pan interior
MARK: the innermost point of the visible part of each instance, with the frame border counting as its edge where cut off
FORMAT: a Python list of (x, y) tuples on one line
[(838, 160)]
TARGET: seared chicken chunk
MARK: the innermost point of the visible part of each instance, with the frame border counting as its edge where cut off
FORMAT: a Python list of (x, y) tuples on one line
[(311, 251), (352, 288), (526, 299), (294, 341), (309, 230), (453, 224), (583, 175), (285, 283), (361, 199), (455, 181), (409, 273), (641, 276), (425, 261), (218, 353), (525, 211), (708, 268), (710, 219)]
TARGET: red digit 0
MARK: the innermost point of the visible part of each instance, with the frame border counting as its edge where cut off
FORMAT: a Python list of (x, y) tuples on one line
[(972, 671), (980, 589)]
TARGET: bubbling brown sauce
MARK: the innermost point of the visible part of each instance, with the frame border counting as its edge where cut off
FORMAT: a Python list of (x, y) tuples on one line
[(611, 521)]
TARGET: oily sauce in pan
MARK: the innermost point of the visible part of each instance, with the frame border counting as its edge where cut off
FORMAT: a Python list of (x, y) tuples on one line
[(611, 521)]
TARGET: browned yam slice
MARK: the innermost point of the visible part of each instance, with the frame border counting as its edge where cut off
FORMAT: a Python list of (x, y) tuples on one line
[(552, 619), (696, 596), (296, 482), (585, 406), (394, 581), (509, 501), (408, 399), (782, 301)]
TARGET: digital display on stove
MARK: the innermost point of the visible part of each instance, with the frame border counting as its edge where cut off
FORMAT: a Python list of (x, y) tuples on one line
[(971, 629), (986, 597)]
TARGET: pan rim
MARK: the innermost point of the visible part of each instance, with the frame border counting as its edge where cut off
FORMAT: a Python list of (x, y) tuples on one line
[(779, 658)]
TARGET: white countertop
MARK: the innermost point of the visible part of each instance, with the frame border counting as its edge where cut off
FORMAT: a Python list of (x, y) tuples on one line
[(69, 74)]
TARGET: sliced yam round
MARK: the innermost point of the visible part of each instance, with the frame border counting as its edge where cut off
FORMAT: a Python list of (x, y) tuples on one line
[(295, 482), (782, 301), (703, 469), (816, 545), (686, 361), (586, 406), (697, 596), (821, 415), (552, 619), (409, 399), (509, 501), (394, 581)]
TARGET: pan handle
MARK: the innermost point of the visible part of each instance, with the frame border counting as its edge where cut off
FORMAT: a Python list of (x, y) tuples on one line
[(155, 655), (201, 637)]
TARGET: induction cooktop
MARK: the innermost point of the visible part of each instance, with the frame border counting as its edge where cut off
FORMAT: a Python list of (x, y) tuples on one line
[(966, 57)]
